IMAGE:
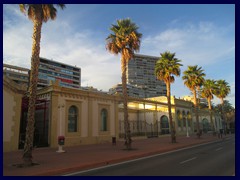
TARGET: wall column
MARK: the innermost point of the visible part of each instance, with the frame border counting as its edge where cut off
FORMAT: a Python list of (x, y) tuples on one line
[(90, 112), (54, 122)]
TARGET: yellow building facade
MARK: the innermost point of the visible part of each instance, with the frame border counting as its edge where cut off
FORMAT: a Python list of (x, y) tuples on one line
[(12, 99), (90, 117)]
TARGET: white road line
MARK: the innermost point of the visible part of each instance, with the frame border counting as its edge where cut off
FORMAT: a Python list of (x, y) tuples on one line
[(188, 160), (142, 158), (218, 149)]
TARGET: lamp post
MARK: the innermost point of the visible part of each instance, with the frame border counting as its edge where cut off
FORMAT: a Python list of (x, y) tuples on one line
[(60, 135)]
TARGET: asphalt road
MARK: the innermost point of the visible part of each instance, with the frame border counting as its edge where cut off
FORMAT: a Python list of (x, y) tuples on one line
[(213, 159)]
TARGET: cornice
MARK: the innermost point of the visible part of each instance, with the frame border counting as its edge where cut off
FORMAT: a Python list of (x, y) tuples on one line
[(17, 88)]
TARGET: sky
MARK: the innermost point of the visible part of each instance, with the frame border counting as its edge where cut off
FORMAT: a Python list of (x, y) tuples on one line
[(199, 34)]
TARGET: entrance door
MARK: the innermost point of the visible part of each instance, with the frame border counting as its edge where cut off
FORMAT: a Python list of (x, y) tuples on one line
[(41, 123)]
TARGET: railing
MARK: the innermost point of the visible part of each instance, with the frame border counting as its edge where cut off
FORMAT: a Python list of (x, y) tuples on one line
[(137, 128)]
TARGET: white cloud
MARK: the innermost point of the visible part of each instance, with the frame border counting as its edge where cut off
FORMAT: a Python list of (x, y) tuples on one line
[(60, 43), (202, 44)]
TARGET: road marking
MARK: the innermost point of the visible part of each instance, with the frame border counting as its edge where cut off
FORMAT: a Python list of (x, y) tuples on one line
[(188, 160), (218, 149), (142, 158)]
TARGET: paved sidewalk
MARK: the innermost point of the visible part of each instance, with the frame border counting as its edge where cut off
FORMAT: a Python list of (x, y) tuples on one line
[(89, 156)]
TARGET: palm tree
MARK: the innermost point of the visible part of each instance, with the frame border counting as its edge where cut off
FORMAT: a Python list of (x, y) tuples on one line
[(38, 13), (124, 39), (193, 79), (207, 91), (223, 89), (165, 69)]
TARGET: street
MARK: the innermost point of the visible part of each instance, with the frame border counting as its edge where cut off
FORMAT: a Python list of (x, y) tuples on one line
[(213, 159)]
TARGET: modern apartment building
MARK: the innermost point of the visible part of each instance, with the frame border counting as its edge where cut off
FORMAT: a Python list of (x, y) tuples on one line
[(132, 91), (49, 70), (191, 98), (141, 78), (17, 74)]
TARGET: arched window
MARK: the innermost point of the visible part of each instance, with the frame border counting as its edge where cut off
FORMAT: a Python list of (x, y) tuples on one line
[(72, 119), (103, 120), (184, 118), (189, 119), (206, 125), (164, 125), (179, 118)]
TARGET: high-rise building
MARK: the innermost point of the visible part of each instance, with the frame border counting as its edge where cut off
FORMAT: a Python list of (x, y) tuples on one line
[(49, 70), (141, 78), (191, 98), (17, 74), (132, 91)]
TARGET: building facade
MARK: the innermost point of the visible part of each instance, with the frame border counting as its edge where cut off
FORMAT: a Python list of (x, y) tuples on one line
[(18, 74), (12, 100), (91, 117), (49, 70), (141, 81), (132, 91)]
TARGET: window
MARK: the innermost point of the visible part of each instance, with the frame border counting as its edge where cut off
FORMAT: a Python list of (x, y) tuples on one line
[(184, 119), (72, 119), (164, 122), (179, 119), (206, 125), (103, 120), (164, 125)]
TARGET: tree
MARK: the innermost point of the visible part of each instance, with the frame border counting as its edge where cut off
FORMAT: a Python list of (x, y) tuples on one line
[(193, 79), (227, 107), (207, 91), (165, 69), (38, 13), (125, 40), (223, 89)]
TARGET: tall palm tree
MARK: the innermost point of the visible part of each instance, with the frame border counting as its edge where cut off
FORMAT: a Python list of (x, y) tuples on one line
[(223, 89), (165, 69), (193, 79), (125, 40), (38, 13), (207, 91)]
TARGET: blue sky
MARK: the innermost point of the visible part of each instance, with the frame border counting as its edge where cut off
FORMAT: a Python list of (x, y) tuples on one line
[(202, 35)]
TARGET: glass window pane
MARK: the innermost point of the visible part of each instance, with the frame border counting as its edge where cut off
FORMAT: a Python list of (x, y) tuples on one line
[(103, 120), (72, 119)]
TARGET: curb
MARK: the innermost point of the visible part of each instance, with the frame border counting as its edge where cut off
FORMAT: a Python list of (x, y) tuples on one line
[(72, 169)]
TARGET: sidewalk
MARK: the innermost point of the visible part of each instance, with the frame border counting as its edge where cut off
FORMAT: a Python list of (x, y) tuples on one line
[(89, 156)]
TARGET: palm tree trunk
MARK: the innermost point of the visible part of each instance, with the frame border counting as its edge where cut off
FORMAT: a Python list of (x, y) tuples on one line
[(128, 140), (173, 131), (196, 111), (28, 146)]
